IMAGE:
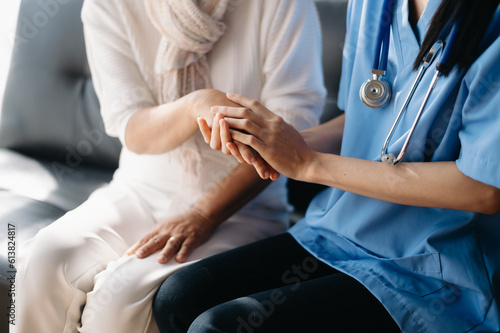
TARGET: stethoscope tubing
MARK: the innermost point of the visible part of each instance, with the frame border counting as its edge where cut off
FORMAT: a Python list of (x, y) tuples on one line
[(425, 63), (382, 51), (403, 108), (402, 153)]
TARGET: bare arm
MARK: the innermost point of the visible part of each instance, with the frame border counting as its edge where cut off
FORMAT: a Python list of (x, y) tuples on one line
[(159, 129), (438, 184)]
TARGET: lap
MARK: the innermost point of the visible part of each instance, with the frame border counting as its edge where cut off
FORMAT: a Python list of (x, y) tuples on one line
[(258, 266), (274, 281), (88, 237), (333, 303)]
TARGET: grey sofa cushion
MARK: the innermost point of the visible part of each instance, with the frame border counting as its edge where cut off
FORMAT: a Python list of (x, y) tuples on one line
[(50, 109), (332, 14), (49, 181)]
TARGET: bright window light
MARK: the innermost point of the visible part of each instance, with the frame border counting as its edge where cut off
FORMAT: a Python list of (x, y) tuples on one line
[(8, 17)]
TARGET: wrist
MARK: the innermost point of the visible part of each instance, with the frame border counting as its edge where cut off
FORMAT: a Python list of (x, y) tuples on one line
[(187, 108), (199, 102), (314, 169), (204, 218)]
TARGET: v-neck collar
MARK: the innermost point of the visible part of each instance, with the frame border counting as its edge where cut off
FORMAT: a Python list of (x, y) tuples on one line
[(424, 20), (409, 45)]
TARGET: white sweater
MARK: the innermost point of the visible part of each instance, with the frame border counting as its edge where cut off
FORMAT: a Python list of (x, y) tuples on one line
[(270, 52)]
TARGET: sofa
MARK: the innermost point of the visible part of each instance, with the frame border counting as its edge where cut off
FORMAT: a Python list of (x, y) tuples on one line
[(54, 151)]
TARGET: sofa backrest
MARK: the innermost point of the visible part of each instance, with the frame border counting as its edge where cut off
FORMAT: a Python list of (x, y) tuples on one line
[(50, 109), (332, 14)]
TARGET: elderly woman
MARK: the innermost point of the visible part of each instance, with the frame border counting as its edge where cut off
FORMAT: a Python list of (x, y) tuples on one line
[(158, 66)]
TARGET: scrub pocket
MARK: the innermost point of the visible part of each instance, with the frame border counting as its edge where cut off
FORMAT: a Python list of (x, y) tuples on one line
[(419, 275)]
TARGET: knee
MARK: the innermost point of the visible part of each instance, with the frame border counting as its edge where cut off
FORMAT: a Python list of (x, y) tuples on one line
[(239, 316), (178, 300), (211, 321)]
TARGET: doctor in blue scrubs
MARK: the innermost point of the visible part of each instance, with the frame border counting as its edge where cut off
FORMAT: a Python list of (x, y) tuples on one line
[(407, 236)]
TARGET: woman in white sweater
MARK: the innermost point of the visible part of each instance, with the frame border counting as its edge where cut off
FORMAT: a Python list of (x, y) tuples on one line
[(158, 66)]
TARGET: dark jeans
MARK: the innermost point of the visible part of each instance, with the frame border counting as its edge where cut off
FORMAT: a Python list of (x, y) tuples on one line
[(270, 286)]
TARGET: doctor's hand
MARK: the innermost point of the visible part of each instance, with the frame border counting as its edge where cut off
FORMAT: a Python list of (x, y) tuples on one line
[(219, 138), (176, 236), (276, 141)]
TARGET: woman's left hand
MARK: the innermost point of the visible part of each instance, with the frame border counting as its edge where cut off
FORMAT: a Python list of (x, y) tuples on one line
[(178, 236)]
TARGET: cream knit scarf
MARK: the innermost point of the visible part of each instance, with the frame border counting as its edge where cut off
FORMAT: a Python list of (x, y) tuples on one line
[(189, 30)]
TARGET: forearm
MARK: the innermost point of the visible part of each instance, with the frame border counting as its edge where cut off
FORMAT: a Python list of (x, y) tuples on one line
[(434, 184), (159, 129), (232, 193)]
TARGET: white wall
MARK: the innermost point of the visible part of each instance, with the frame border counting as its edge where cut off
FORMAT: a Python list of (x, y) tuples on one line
[(8, 17)]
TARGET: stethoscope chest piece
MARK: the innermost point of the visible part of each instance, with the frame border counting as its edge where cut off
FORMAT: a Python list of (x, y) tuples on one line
[(375, 93)]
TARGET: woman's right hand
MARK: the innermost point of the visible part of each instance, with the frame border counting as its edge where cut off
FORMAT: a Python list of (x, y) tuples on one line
[(219, 138), (200, 103)]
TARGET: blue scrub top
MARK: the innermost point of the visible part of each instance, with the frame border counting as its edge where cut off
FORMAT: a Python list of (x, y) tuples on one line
[(435, 270)]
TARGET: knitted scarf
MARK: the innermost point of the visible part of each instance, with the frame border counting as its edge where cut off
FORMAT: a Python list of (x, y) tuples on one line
[(189, 30)]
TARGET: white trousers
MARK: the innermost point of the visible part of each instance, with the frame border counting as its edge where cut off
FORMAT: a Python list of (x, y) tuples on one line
[(73, 276)]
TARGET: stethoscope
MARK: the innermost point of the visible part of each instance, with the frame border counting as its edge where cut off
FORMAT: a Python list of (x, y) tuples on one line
[(376, 93)]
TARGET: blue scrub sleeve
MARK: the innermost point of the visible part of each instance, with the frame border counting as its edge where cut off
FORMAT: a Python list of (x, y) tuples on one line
[(480, 132)]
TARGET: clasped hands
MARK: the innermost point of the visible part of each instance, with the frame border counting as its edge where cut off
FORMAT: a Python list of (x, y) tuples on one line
[(254, 135)]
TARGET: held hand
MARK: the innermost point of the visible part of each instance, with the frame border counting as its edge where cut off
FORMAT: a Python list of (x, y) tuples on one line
[(180, 234), (279, 144), (219, 138), (200, 102)]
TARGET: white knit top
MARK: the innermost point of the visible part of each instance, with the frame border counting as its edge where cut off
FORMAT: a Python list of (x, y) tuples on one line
[(270, 52)]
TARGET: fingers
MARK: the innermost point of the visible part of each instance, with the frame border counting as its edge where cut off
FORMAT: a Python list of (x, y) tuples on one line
[(204, 129), (170, 249), (248, 103), (246, 152), (249, 140), (168, 245), (241, 152), (264, 170), (238, 113), (215, 141), (245, 125), (225, 137), (187, 247), (147, 245)]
